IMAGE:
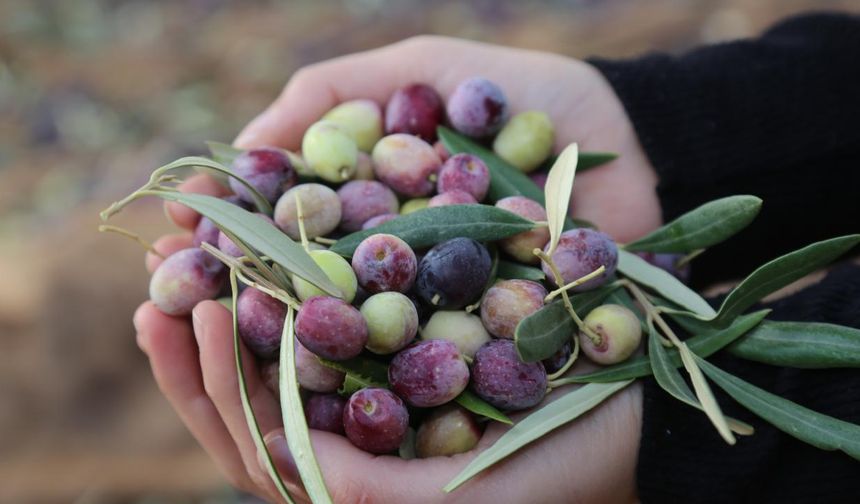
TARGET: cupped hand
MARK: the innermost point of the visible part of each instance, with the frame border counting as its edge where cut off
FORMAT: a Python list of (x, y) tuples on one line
[(592, 459)]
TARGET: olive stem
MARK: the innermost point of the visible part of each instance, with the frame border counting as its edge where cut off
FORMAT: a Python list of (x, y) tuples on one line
[(300, 215), (594, 337), (567, 365), (251, 277), (689, 257), (324, 241), (579, 281), (104, 228), (652, 312), (151, 188)]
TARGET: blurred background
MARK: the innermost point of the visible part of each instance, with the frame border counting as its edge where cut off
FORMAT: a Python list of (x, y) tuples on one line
[(94, 94)]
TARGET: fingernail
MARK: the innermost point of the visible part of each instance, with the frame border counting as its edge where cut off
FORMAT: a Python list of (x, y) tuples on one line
[(198, 325), (276, 443)]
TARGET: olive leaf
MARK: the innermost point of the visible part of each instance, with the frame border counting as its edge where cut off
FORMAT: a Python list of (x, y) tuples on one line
[(811, 345), (702, 344), (258, 234), (468, 400), (670, 380), (587, 161), (505, 179), (639, 270), (295, 424), (821, 431), (777, 274), (544, 332), (224, 154), (702, 227), (511, 270), (559, 184), (430, 226), (537, 424), (362, 372), (706, 396), (213, 167), (250, 417)]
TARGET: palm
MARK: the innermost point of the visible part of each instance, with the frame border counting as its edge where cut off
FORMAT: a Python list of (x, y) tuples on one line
[(592, 459)]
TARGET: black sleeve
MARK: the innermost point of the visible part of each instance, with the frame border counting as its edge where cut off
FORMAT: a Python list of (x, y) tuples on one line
[(683, 459), (776, 117)]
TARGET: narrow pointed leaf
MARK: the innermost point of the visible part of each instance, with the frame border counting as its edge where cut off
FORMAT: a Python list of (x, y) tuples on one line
[(662, 282), (781, 272), (703, 345), (545, 331), (295, 425), (505, 179), (821, 431), (559, 184), (476, 405), (670, 380), (362, 372), (250, 417), (540, 422), (430, 226), (223, 153), (259, 235), (703, 227), (587, 160), (511, 270), (810, 345), (705, 395), (211, 166)]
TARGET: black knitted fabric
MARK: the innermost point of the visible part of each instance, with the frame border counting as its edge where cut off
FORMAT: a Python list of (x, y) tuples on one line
[(776, 117)]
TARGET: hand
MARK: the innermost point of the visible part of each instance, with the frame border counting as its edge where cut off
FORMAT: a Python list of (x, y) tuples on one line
[(593, 459)]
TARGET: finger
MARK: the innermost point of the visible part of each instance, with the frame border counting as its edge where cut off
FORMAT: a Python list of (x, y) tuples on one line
[(172, 351), (166, 246), (185, 217), (213, 329), (373, 75)]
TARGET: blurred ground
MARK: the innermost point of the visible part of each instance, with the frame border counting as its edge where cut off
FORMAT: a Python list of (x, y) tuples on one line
[(94, 95)]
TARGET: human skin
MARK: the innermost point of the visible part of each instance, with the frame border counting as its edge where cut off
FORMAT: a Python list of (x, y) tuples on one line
[(619, 197)]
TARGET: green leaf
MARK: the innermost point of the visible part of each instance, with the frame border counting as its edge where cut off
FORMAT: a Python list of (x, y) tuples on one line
[(706, 397), (476, 405), (512, 270), (540, 422), (295, 425), (821, 431), (670, 379), (250, 417), (559, 184), (257, 234), (505, 179), (542, 333), (361, 371), (213, 167), (778, 273), (701, 228), (704, 345), (587, 160), (636, 268), (430, 226), (810, 345), (223, 153)]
